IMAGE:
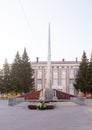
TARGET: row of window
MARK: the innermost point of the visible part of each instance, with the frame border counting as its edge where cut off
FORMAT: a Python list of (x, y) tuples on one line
[(55, 73), (63, 72), (55, 83)]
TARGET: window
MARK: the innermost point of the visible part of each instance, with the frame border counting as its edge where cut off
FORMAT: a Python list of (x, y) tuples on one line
[(76, 71), (55, 73), (55, 82), (39, 84), (39, 81), (55, 77), (71, 86), (63, 73), (64, 84), (71, 81), (72, 90), (39, 73), (63, 79), (71, 73)]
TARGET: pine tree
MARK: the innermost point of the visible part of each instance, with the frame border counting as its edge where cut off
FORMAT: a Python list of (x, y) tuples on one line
[(90, 74), (22, 74), (15, 73), (5, 78), (27, 80), (81, 81)]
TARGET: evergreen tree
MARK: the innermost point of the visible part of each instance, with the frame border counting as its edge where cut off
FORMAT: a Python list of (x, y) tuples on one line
[(90, 74), (5, 84), (27, 80), (81, 81), (22, 74), (15, 73)]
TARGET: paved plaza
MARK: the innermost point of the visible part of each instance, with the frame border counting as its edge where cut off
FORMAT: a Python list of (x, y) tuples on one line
[(66, 116)]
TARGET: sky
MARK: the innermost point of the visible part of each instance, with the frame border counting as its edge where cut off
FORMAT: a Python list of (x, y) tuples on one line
[(24, 24)]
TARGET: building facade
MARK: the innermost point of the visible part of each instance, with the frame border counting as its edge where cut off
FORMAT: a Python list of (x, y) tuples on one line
[(63, 74)]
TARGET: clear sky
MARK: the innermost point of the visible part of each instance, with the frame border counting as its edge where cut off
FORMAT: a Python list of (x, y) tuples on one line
[(24, 23)]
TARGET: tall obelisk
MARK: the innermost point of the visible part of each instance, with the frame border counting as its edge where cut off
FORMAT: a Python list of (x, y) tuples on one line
[(48, 92), (48, 81)]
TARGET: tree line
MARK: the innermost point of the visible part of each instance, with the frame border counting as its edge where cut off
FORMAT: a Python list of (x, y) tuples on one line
[(83, 81), (17, 77)]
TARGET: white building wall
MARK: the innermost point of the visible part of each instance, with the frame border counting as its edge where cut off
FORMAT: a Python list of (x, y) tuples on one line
[(62, 75)]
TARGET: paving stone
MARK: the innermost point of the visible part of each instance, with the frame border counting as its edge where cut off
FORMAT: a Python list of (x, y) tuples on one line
[(68, 117)]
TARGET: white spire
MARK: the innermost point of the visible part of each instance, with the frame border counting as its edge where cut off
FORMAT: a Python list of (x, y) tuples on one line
[(49, 44), (48, 83)]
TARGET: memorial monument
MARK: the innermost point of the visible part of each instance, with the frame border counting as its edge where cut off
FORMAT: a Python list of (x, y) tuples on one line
[(48, 93)]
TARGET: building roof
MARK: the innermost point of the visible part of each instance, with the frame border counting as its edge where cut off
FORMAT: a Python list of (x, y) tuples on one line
[(56, 62)]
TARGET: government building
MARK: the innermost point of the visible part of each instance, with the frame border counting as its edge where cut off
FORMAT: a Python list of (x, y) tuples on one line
[(63, 74)]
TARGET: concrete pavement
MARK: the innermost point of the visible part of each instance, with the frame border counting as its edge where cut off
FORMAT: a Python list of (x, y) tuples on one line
[(66, 116)]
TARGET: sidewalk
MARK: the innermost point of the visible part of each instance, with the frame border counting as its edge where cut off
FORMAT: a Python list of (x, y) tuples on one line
[(63, 117)]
